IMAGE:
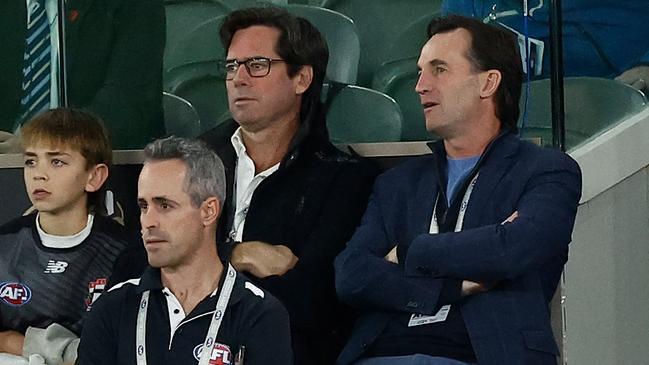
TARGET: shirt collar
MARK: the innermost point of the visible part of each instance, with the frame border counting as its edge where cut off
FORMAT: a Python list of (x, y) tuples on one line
[(151, 280), (237, 142)]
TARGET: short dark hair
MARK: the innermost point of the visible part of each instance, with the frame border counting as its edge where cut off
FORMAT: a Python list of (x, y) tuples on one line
[(492, 48), (299, 43)]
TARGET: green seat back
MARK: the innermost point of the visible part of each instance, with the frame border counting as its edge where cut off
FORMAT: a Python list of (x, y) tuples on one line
[(379, 22), (592, 105), (409, 42), (342, 39), (239, 4), (204, 87), (193, 31), (360, 115), (181, 119), (398, 79)]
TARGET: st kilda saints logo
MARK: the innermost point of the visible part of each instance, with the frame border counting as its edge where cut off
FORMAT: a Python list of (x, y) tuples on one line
[(15, 294), (95, 289), (220, 355)]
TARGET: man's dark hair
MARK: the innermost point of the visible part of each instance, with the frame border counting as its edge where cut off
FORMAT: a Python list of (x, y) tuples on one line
[(299, 44), (492, 48)]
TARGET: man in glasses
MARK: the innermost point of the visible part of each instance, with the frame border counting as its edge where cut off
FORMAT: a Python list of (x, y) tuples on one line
[(296, 199)]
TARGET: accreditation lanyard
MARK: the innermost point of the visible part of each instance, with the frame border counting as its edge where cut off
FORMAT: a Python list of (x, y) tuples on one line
[(434, 226), (210, 339)]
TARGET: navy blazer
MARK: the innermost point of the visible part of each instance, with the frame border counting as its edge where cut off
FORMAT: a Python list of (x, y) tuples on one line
[(114, 64), (509, 324)]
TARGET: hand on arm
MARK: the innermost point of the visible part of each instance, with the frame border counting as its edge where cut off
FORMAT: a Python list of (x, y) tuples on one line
[(262, 259), (11, 342)]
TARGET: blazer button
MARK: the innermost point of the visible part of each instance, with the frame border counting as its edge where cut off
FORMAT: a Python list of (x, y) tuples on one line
[(423, 270), (364, 345)]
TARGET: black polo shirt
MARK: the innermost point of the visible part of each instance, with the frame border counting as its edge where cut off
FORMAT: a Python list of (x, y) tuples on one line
[(253, 320)]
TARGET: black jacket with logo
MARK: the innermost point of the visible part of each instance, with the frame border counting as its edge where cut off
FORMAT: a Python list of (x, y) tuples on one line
[(253, 319)]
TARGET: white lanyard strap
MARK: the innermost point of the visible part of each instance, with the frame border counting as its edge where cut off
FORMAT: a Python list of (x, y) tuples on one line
[(212, 332), (217, 318), (434, 226), (140, 347)]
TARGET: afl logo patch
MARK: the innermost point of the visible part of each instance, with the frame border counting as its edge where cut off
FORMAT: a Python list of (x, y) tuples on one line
[(15, 294), (220, 355)]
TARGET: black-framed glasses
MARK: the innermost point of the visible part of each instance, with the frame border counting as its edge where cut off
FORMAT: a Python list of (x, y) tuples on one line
[(256, 66)]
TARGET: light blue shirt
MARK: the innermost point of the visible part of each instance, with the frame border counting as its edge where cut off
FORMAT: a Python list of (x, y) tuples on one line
[(458, 169)]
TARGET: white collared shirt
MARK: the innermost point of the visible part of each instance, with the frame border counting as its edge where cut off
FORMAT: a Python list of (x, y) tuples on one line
[(175, 310), (51, 8), (245, 183)]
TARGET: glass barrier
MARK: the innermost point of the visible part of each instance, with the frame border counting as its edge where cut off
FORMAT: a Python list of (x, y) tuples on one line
[(117, 64), (605, 61)]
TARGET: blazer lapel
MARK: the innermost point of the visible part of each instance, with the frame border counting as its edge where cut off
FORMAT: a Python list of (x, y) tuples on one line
[(421, 206), (497, 163)]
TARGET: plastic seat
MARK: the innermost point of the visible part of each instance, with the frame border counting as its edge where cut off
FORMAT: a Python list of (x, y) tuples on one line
[(181, 119), (592, 105), (409, 42), (203, 85), (379, 22), (239, 4), (398, 79), (193, 31), (342, 39), (361, 115)]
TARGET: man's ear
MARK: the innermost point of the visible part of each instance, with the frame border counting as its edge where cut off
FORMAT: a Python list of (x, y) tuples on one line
[(210, 211), (489, 82), (97, 176), (303, 79)]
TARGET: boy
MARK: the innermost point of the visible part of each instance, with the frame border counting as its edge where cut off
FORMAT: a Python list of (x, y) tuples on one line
[(55, 263)]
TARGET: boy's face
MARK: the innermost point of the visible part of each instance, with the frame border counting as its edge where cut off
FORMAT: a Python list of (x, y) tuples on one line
[(56, 178)]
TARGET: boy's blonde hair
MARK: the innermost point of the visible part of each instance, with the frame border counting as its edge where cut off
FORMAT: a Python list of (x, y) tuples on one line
[(72, 128)]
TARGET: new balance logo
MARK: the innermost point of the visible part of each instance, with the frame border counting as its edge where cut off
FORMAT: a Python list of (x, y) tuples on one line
[(55, 267)]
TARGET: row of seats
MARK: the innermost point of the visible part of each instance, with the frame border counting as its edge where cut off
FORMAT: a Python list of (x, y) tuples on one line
[(359, 37), (361, 115), (390, 110), (193, 52)]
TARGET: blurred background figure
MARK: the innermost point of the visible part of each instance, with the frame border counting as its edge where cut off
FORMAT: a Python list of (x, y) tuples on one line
[(113, 64)]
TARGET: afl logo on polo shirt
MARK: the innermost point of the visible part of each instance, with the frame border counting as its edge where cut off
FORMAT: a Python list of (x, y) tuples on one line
[(221, 354), (15, 294)]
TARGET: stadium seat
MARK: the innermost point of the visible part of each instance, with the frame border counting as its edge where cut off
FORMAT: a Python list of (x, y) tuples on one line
[(342, 39), (592, 105), (409, 42), (379, 22), (181, 119), (238, 4), (398, 79), (193, 31), (203, 85), (360, 115)]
